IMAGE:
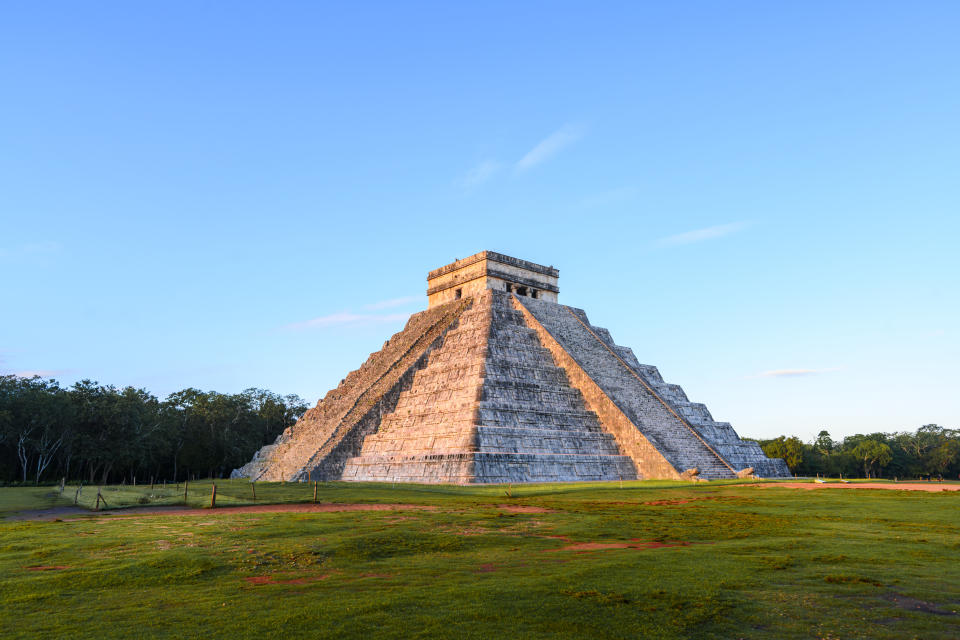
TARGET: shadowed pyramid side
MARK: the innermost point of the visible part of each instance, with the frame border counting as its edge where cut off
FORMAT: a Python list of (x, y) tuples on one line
[(658, 423)]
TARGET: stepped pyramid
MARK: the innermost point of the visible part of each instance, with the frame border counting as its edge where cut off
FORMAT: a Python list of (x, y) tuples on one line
[(498, 382)]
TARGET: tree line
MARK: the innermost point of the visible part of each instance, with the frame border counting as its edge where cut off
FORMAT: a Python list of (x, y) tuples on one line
[(102, 434), (931, 450)]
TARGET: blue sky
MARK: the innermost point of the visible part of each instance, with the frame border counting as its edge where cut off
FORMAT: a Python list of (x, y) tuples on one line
[(759, 198)]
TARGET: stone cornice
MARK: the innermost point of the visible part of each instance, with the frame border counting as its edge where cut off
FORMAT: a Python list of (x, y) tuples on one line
[(487, 271), (493, 256)]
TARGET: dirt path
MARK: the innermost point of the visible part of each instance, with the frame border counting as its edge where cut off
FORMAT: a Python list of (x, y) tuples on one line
[(72, 512), (897, 486)]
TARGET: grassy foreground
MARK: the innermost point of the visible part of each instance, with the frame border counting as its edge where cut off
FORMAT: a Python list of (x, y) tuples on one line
[(648, 559)]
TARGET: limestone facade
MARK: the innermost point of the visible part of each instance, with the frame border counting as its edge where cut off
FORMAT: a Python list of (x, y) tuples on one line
[(490, 385), (490, 270)]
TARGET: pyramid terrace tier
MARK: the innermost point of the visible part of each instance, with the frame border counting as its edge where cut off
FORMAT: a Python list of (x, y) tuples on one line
[(499, 387), (500, 468)]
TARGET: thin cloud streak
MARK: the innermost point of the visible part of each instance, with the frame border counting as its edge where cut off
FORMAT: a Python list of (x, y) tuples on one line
[(31, 249), (794, 373), (699, 235), (390, 304), (480, 174), (349, 320), (549, 147)]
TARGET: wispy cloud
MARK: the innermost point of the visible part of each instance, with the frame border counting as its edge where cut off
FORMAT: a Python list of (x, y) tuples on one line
[(348, 319), (794, 373), (699, 235), (29, 250), (390, 304), (480, 174), (549, 147)]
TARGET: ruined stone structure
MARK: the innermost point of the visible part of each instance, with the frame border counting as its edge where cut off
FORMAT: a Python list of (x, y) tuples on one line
[(498, 382)]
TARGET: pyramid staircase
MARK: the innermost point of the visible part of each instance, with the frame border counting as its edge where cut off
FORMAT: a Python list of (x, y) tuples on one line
[(490, 405), (676, 440), (319, 444), (496, 385)]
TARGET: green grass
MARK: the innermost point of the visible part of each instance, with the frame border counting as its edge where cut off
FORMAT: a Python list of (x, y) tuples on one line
[(757, 562)]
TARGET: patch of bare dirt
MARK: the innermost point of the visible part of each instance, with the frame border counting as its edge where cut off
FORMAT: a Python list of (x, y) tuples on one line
[(524, 508), (48, 567), (913, 604), (604, 546), (896, 486), (268, 579), (489, 567), (50, 514), (55, 513)]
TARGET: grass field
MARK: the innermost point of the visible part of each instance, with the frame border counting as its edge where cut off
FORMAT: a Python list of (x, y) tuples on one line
[(645, 559)]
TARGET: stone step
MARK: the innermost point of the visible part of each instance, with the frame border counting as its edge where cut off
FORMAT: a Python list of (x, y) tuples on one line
[(676, 440)]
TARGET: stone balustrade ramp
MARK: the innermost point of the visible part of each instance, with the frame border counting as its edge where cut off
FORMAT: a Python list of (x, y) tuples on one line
[(496, 382), (659, 423), (319, 444), (490, 406), (722, 438)]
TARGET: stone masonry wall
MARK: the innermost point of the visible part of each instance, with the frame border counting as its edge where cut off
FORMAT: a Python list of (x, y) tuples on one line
[(329, 433), (491, 405), (676, 441), (647, 459)]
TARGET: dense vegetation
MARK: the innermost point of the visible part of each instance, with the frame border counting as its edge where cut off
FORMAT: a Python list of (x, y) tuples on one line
[(104, 434), (930, 451)]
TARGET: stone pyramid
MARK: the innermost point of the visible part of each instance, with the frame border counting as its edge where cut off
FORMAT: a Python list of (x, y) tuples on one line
[(497, 382)]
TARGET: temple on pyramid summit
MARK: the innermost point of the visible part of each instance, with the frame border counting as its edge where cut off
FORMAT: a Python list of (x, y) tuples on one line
[(497, 382)]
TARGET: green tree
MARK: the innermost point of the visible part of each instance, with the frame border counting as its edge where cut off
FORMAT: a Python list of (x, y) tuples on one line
[(790, 449), (872, 453)]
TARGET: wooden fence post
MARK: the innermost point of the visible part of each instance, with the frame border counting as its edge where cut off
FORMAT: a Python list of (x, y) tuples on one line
[(315, 492), (213, 496), (186, 486), (76, 496), (253, 487)]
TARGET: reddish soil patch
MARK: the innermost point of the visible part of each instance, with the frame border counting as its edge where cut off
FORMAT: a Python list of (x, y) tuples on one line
[(524, 508), (258, 580), (603, 546), (48, 568), (260, 508), (487, 568), (897, 486), (692, 499)]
